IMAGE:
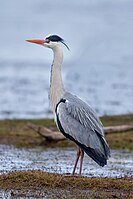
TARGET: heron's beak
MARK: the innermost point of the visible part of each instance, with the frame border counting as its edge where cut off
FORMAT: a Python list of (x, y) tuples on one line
[(36, 41)]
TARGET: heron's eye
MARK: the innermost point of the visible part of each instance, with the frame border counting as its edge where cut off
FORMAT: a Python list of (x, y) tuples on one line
[(47, 40)]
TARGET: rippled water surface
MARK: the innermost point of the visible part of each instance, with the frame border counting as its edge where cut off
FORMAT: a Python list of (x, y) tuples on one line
[(62, 161), (98, 68)]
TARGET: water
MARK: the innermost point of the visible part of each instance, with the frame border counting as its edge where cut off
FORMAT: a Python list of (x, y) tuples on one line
[(98, 68), (62, 161)]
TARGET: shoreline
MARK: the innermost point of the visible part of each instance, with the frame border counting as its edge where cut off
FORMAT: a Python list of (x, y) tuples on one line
[(41, 184), (16, 132)]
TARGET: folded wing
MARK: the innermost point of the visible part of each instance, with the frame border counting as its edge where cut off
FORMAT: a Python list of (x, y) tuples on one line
[(78, 122)]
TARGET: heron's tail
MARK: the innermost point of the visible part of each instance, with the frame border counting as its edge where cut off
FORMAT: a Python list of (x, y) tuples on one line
[(99, 157), (96, 155)]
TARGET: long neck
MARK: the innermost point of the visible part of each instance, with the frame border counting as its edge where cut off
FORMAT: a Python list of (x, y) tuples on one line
[(56, 84)]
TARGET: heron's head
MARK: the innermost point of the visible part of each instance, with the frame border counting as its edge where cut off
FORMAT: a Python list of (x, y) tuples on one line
[(51, 41)]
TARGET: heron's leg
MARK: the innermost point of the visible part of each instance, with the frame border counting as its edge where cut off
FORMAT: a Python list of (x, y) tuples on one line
[(81, 161), (78, 155)]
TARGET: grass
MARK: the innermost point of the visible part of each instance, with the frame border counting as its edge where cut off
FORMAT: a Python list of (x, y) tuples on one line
[(61, 186), (122, 140), (39, 184), (117, 120), (17, 133)]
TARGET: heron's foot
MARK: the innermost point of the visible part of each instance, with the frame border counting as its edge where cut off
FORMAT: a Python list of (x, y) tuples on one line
[(72, 174)]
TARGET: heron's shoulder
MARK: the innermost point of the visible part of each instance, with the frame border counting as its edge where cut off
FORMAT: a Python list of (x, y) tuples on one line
[(71, 97), (70, 102), (76, 101), (84, 111)]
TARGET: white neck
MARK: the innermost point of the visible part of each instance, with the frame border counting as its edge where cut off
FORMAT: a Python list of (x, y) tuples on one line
[(56, 85)]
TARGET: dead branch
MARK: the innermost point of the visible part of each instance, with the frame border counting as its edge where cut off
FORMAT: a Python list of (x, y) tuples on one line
[(119, 128), (56, 136), (48, 134)]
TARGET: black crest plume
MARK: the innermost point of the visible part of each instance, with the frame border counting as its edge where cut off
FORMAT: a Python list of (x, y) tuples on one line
[(56, 38)]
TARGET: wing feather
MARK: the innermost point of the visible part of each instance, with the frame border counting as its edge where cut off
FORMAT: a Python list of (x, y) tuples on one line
[(81, 123), (84, 114)]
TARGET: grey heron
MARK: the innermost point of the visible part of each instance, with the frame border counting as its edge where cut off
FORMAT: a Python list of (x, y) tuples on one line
[(74, 118)]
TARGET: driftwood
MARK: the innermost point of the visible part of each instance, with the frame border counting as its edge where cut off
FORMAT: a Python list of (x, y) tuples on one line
[(47, 133), (56, 136), (119, 128)]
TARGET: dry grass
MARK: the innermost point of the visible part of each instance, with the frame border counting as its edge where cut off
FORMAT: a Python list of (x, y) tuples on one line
[(39, 184), (122, 140), (59, 185), (15, 132)]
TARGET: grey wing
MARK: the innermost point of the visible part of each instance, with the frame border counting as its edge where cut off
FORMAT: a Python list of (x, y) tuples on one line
[(79, 123), (84, 113)]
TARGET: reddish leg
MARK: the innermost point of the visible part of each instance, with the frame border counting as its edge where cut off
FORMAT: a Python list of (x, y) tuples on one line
[(78, 155), (81, 161)]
